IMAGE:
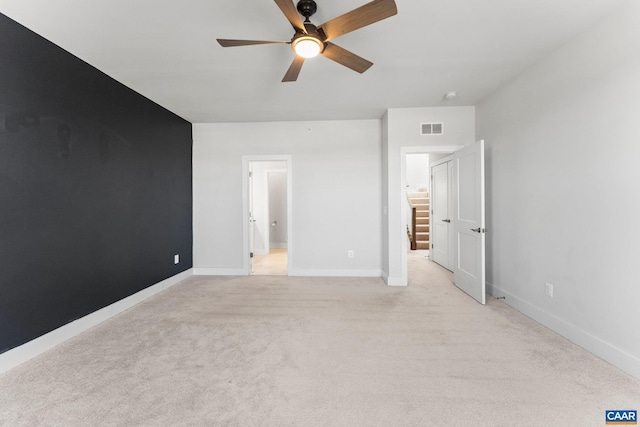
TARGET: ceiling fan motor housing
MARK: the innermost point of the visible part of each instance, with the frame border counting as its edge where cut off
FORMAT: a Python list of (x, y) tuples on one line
[(307, 8)]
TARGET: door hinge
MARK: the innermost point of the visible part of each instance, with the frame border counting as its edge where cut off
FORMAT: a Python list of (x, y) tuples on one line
[(250, 174), (250, 254)]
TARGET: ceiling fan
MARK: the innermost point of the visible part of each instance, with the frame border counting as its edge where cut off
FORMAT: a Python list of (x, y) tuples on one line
[(310, 40)]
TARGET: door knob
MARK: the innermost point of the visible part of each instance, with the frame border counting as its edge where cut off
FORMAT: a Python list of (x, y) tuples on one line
[(446, 220), (478, 230)]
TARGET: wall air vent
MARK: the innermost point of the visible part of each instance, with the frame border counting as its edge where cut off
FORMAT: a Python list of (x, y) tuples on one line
[(431, 129)]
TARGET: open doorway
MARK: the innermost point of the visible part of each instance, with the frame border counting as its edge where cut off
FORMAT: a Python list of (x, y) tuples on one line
[(466, 217), (268, 214), (270, 231), (417, 208), (418, 198)]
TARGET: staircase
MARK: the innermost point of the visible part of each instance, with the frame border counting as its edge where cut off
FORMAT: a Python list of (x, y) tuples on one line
[(419, 202)]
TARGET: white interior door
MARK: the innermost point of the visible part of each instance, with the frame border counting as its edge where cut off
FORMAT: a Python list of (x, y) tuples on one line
[(252, 220), (440, 219), (469, 221)]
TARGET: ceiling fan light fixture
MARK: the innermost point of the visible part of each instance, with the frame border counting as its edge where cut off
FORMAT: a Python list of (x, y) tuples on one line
[(307, 46)]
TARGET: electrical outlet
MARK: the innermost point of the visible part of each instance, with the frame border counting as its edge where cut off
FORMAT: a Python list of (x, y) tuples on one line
[(350, 254), (548, 290), (176, 259)]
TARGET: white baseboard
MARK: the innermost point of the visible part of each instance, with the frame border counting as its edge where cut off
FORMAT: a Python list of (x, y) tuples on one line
[(334, 273), (394, 281), (12, 358), (219, 272), (261, 252), (282, 245), (599, 347)]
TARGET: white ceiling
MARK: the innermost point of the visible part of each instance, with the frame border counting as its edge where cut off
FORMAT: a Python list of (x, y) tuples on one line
[(166, 50)]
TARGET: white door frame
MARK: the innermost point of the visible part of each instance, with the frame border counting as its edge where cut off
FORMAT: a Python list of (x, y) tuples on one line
[(402, 229), (245, 206)]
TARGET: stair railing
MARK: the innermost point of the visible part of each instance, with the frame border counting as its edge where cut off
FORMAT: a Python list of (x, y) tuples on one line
[(411, 232)]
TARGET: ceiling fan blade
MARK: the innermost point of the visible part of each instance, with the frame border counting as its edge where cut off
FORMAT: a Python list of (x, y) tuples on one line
[(346, 58), (374, 11), (233, 43), (294, 69), (291, 12)]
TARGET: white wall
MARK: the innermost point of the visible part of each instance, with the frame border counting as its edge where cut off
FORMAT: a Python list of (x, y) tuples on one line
[(277, 184), (417, 173), (402, 127), (385, 237), (563, 189), (336, 194)]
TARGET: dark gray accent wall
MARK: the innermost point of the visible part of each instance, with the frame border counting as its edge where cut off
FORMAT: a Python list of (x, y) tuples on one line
[(95, 188)]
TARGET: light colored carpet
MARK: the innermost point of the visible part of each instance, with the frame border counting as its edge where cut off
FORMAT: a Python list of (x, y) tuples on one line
[(285, 351)]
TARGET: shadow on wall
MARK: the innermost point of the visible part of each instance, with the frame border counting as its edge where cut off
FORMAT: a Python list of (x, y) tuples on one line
[(49, 131)]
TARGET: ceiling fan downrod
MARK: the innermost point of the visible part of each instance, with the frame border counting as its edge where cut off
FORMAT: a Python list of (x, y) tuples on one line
[(307, 8)]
